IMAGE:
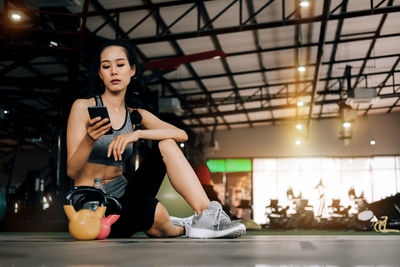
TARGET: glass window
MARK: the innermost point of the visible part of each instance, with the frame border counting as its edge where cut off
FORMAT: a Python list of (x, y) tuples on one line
[(332, 178)]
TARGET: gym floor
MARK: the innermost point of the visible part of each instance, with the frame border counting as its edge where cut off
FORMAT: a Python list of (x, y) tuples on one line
[(256, 249)]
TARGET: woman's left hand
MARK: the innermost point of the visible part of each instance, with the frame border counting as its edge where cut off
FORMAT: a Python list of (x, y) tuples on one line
[(117, 146)]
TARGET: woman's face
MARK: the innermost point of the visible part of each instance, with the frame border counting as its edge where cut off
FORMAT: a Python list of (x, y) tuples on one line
[(115, 70)]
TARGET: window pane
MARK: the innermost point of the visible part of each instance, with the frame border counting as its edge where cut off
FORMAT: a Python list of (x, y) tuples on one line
[(375, 177)]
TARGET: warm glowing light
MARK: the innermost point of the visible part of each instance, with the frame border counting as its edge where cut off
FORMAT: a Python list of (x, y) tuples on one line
[(298, 142), (15, 17), (301, 68), (372, 142), (299, 126), (346, 124), (300, 103), (182, 145), (304, 3)]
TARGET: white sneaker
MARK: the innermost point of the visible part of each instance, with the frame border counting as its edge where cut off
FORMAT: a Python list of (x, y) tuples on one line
[(215, 223), (186, 223)]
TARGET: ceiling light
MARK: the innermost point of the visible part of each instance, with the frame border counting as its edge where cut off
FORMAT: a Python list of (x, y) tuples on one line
[(300, 103), (372, 142), (299, 126), (301, 68), (346, 124), (6, 111), (15, 16), (298, 142), (304, 3)]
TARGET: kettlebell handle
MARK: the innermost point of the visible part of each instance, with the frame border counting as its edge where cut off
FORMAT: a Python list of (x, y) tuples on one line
[(113, 203), (87, 190)]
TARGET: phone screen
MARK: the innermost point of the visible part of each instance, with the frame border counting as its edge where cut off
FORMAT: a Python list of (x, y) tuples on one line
[(99, 111)]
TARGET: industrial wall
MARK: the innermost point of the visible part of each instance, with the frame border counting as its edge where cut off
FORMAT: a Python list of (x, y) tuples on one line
[(279, 140)]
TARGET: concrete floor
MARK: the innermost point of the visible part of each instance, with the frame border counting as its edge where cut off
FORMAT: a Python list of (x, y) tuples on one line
[(59, 249)]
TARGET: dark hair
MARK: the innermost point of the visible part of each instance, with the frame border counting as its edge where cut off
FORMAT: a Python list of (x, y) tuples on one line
[(121, 43), (136, 118)]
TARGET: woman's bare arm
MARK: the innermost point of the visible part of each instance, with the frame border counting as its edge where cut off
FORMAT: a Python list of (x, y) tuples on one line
[(82, 133), (157, 129)]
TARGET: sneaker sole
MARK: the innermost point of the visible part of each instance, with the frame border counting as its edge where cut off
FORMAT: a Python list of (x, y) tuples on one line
[(235, 232)]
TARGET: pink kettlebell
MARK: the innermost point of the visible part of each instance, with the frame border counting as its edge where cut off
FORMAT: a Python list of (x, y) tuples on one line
[(115, 207), (106, 223)]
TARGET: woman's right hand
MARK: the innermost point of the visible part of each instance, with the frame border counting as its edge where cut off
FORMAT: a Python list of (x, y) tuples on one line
[(97, 127)]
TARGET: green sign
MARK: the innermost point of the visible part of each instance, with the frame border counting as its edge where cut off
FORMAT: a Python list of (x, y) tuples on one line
[(229, 165), (216, 165), (238, 165)]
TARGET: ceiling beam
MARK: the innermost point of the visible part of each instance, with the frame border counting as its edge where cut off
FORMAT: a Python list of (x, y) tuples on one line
[(152, 6), (193, 73), (250, 11), (265, 25), (224, 62), (291, 119), (371, 46), (303, 45), (334, 48), (320, 52), (383, 83)]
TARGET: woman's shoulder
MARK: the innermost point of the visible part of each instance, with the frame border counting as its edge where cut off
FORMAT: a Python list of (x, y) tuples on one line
[(83, 103), (141, 111)]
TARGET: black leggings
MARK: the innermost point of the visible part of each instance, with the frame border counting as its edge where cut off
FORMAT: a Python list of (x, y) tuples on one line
[(138, 201)]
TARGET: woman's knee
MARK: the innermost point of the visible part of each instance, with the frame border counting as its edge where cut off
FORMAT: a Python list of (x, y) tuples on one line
[(166, 145), (160, 224)]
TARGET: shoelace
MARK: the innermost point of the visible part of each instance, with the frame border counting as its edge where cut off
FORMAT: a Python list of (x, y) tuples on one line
[(217, 217)]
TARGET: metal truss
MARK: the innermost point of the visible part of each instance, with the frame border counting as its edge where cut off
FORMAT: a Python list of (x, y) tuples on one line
[(202, 30), (205, 26)]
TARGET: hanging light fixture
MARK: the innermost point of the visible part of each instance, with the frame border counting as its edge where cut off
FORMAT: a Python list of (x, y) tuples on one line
[(14, 16), (304, 3), (346, 124), (372, 142), (301, 68)]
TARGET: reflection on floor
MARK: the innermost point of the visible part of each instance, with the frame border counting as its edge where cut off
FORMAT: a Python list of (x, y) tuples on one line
[(59, 249)]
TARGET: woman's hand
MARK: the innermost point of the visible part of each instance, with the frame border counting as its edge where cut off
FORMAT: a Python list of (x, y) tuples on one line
[(117, 146), (97, 127)]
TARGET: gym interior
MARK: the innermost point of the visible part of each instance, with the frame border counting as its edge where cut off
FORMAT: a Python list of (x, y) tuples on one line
[(292, 109)]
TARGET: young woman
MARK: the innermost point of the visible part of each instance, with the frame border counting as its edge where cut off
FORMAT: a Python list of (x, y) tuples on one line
[(93, 153)]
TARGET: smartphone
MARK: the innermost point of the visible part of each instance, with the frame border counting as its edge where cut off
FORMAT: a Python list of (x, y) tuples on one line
[(100, 111)]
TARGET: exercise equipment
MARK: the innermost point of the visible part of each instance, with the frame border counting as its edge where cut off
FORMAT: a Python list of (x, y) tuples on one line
[(173, 202), (114, 209), (339, 216), (361, 221), (277, 215), (304, 216), (85, 224)]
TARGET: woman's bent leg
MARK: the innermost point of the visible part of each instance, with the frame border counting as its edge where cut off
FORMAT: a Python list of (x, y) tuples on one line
[(182, 176)]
